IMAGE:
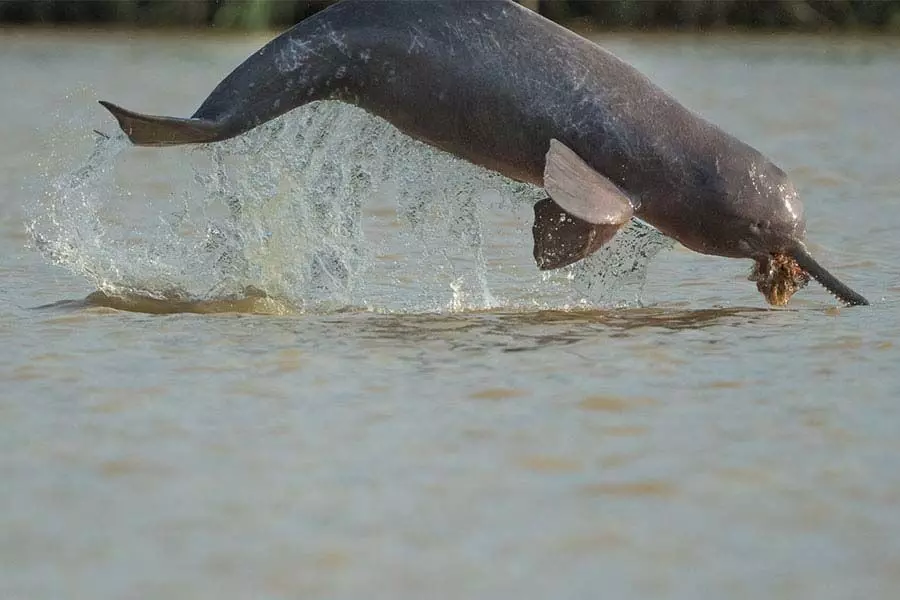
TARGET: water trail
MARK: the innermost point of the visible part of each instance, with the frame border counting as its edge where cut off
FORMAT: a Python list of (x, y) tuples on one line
[(325, 208)]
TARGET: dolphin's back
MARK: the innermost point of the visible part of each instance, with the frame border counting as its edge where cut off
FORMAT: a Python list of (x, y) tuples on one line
[(488, 81)]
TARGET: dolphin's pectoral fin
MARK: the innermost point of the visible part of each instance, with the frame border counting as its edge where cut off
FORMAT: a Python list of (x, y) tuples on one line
[(581, 191), (561, 239), (584, 211)]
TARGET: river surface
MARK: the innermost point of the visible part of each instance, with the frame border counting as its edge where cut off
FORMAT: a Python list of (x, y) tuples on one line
[(357, 385)]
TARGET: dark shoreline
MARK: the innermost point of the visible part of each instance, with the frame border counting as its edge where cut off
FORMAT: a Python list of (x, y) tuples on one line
[(812, 16)]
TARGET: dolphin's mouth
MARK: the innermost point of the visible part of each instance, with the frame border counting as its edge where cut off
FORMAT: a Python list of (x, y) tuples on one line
[(778, 276)]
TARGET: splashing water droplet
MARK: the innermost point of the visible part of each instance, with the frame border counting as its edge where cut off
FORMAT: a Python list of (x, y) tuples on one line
[(282, 211)]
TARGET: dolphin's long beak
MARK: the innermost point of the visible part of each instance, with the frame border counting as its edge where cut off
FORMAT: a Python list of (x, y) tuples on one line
[(826, 279)]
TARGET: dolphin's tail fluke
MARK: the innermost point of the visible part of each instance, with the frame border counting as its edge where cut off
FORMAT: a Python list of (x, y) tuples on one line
[(149, 130)]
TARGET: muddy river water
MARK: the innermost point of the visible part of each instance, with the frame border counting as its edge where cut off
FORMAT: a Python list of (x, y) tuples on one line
[(351, 392)]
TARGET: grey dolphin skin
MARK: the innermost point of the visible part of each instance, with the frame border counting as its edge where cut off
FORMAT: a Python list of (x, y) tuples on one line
[(502, 87)]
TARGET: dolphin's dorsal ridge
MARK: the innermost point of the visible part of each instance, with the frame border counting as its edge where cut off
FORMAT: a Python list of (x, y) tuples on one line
[(581, 191)]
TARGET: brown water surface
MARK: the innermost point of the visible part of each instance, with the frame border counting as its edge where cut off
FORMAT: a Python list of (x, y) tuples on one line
[(698, 445)]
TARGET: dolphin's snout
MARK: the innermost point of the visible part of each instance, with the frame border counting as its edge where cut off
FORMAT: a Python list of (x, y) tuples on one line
[(835, 286)]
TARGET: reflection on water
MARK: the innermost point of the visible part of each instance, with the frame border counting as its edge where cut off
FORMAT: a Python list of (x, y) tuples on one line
[(524, 331), (250, 301), (569, 326)]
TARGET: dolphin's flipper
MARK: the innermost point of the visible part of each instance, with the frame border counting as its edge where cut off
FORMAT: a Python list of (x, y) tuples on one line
[(581, 191), (561, 239), (149, 130), (584, 211)]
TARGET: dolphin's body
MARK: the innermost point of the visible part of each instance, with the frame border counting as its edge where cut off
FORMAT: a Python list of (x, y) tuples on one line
[(502, 87)]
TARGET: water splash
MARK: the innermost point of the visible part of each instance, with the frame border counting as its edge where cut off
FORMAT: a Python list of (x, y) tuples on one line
[(75, 243), (325, 208)]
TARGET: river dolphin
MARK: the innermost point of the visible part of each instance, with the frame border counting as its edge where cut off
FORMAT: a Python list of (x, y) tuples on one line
[(498, 85)]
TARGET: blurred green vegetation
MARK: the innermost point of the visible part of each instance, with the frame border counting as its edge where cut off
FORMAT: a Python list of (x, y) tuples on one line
[(796, 15)]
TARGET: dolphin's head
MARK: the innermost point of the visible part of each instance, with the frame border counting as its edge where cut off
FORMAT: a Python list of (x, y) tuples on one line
[(758, 214), (766, 210)]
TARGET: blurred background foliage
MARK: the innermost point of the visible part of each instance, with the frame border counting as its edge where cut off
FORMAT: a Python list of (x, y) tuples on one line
[(796, 15)]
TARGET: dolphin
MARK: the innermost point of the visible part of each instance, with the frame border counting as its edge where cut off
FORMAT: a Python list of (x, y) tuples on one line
[(497, 85)]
